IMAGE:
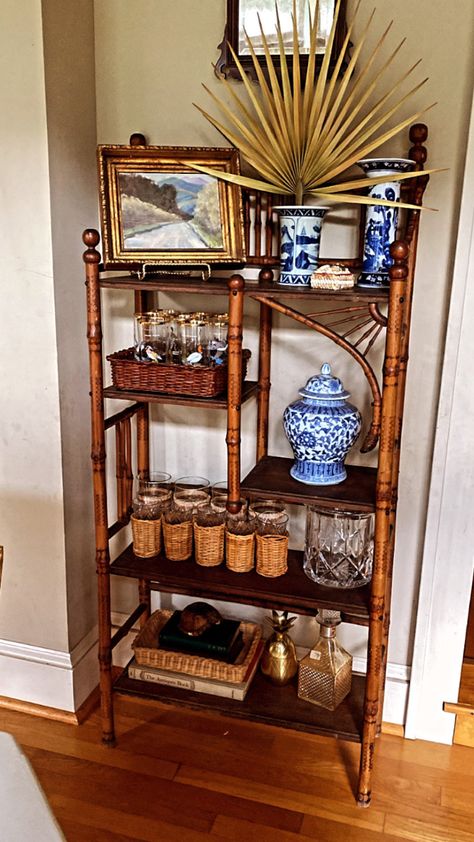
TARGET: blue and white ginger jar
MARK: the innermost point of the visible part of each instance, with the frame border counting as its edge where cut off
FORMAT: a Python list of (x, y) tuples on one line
[(321, 428)]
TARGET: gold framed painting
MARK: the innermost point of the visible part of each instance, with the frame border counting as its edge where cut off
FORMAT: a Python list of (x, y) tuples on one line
[(156, 210)]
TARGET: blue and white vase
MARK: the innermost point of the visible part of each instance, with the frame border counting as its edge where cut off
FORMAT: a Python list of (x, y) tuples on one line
[(381, 221), (321, 428), (300, 236)]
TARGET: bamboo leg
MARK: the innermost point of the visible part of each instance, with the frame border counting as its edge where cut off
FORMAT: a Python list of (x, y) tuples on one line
[(264, 364), (94, 335), (144, 598), (143, 441), (234, 390), (143, 465), (128, 478), (383, 543), (120, 469), (418, 135)]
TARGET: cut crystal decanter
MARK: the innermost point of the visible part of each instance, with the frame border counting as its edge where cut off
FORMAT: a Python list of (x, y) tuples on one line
[(325, 674)]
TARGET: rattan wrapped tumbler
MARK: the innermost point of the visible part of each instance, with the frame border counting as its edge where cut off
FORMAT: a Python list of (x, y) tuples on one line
[(272, 554), (146, 536), (240, 552), (209, 544), (177, 537)]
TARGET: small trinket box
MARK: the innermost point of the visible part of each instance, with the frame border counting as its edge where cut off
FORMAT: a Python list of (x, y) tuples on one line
[(332, 276)]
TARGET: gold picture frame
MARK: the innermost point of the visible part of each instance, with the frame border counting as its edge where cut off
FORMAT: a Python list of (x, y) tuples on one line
[(155, 210)]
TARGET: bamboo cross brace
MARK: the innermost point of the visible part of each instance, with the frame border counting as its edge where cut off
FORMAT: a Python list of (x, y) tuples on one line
[(349, 319), (377, 316), (367, 333), (337, 310), (372, 340), (373, 434)]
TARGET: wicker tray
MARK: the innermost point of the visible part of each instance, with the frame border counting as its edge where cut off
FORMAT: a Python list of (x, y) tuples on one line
[(148, 654), (197, 380)]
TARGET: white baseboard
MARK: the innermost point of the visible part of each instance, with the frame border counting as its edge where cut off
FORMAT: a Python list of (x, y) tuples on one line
[(49, 677), (64, 680), (396, 690)]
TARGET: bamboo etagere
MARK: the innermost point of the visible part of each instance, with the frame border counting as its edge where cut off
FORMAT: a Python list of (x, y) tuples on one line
[(354, 319)]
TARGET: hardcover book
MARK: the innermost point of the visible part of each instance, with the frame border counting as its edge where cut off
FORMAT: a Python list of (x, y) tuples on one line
[(183, 681), (223, 641)]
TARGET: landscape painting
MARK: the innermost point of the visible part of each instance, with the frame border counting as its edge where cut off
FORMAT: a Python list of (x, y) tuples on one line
[(169, 211), (159, 208)]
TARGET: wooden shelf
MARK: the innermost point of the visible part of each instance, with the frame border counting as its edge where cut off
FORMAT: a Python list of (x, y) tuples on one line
[(265, 703), (271, 478), (271, 289), (249, 389), (294, 591), (218, 286)]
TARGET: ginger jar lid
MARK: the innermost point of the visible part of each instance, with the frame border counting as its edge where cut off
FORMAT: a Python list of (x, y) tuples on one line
[(324, 386)]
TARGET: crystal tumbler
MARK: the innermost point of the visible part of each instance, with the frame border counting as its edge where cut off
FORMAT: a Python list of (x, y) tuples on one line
[(339, 547)]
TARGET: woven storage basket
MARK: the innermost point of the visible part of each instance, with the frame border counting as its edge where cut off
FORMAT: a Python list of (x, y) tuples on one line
[(209, 544), (148, 654), (178, 540), (146, 536), (272, 555), (240, 552), (197, 380)]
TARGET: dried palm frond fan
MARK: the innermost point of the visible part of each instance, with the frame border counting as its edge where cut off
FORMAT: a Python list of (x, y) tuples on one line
[(300, 134)]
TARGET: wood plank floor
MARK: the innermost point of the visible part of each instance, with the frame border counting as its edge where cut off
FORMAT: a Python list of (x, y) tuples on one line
[(182, 776)]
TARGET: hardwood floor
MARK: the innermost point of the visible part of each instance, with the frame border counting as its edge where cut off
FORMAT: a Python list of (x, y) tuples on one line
[(183, 776)]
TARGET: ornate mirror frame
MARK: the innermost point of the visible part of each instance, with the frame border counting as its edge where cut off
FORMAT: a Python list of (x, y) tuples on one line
[(226, 66)]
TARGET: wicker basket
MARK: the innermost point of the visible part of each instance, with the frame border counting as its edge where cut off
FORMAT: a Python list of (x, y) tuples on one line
[(146, 536), (272, 555), (178, 540), (209, 544), (240, 552), (142, 376), (148, 654)]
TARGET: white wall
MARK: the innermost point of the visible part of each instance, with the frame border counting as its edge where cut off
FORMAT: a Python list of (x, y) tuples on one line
[(33, 594), (166, 57), (71, 118), (48, 186)]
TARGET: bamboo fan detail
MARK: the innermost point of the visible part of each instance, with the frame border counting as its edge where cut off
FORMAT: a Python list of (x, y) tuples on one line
[(301, 134), (355, 328)]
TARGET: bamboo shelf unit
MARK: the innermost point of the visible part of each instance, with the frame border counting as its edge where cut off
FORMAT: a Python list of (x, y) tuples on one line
[(353, 319)]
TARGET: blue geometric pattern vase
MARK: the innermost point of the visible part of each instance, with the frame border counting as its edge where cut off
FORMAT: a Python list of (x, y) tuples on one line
[(321, 428), (300, 235), (381, 221)]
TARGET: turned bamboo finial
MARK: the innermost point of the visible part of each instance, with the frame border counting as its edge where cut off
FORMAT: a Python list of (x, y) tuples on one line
[(418, 153), (399, 253), (265, 275), (91, 239), (137, 139), (236, 284)]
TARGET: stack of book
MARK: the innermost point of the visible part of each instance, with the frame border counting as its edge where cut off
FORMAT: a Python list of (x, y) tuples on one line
[(221, 642)]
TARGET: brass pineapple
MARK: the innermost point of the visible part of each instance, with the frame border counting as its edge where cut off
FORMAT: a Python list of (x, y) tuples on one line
[(279, 662)]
